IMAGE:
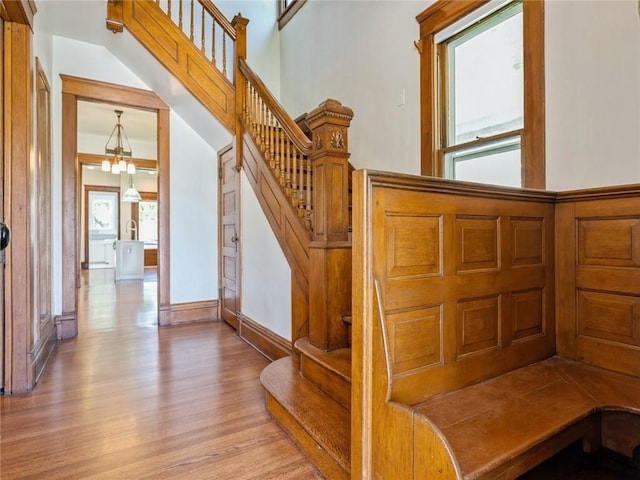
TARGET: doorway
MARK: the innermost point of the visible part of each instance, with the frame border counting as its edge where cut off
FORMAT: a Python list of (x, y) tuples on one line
[(75, 90)]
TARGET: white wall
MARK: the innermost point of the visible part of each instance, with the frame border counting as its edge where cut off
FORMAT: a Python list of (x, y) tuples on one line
[(263, 41), (193, 228), (194, 213), (266, 276), (361, 54), (592, 55), (592, 80)]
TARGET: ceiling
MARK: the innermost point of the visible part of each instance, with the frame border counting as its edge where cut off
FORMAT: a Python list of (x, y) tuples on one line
[(100, 118)]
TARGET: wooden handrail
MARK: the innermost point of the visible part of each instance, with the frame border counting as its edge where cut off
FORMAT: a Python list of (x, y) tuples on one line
[(291, 129), (219, 17)]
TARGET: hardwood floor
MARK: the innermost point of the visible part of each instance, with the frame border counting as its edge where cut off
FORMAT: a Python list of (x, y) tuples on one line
[(126, 400)]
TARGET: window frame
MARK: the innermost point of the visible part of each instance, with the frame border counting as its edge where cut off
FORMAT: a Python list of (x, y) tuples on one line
[(441, 15), (287, 9)]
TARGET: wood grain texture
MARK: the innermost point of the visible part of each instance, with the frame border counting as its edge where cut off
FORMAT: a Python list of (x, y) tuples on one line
[(20, 326), (126, 400)]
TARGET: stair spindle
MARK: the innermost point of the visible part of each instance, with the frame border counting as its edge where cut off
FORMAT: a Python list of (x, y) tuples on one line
[(294, 182), (288, 170), (224, 53), (191, 23), (202, 39), (301, 202), (213, 40), (309, 207), (276, 149), (272, 160), (180, 14), (169, 8), (283, 140)]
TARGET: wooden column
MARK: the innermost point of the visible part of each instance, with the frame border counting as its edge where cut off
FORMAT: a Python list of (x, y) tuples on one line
[(17, 195), (330, 251), (240, 24)]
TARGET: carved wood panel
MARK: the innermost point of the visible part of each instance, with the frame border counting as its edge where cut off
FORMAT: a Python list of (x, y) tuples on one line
[(462, 280), (599, 280)]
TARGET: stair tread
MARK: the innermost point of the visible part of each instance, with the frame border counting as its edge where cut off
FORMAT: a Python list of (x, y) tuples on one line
[(338, 361), (324, 419)]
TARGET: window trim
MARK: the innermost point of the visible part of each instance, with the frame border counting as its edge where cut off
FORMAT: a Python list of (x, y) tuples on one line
[(286, 13), (444, 13)]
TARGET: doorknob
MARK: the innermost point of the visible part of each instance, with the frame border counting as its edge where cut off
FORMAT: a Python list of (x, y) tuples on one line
[(235, 239), (5, 235)]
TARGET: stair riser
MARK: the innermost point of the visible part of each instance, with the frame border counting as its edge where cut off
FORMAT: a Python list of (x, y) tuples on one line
[(330, 382), (327, 465)]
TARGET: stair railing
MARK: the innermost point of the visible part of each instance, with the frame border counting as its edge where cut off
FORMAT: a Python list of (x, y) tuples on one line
[(207, 28), (283, 143)]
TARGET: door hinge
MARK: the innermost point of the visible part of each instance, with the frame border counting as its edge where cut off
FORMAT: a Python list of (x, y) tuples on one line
[(220, 172), (219, 293)]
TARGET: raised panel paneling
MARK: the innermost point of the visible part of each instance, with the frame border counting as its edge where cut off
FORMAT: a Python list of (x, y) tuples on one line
[(527, 236), (230, 268), (478, 324), (527, 313), (609, 241), (229, 232), (477, 243), (609, 316), (202, 78), (229, 203), (414, 245), (415, 337)]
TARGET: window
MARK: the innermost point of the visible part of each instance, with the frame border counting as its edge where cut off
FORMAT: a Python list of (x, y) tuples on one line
[(287, 9), (482, 87)]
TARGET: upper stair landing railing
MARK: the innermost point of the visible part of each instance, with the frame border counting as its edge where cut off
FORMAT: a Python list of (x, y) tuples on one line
[(207, 28), (193, 40)]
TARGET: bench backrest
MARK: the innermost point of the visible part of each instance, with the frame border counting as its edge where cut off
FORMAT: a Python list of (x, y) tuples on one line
[(598, 277), (464, 277)]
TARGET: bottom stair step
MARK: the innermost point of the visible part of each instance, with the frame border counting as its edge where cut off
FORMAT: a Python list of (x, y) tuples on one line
[(318, 424)]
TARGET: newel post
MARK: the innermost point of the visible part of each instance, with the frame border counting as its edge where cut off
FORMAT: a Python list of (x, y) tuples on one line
[(240, 24), (330, 252)]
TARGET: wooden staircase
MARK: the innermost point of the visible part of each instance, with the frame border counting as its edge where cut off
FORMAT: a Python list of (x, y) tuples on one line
[(300, 173)]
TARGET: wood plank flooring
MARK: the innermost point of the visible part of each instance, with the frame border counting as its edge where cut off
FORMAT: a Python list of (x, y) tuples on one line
[(126, 400)]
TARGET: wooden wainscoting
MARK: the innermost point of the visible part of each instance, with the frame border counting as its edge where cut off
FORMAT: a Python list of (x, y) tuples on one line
[(598, 277), (268, 343)]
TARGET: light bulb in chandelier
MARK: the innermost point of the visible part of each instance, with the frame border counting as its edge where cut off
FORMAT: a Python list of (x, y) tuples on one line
[(115, 146)]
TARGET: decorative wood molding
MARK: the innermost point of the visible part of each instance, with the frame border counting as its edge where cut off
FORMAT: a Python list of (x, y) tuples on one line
[(18, 11), (94, 159), (19, 271), (601, 193), (268, 343), (190, 312)]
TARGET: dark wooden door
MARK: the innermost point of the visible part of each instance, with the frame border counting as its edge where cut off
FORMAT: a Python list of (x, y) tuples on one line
[(229, 238)]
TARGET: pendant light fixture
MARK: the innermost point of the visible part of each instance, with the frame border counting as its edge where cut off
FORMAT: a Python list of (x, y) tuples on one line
[(131, 195), (118, 164)]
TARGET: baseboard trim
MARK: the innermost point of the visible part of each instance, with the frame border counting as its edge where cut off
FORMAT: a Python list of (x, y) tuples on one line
[(41, 353), (268, 343), (189, 312), (66, 326)]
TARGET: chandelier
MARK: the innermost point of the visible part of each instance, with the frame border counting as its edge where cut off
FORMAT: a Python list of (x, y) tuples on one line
[(118, 164)]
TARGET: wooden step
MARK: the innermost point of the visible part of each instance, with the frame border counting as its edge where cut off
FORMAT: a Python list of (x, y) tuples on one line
[(329, 371), (319, 425)]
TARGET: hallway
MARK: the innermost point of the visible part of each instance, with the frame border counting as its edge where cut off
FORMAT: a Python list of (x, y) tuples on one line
[(126, 400)]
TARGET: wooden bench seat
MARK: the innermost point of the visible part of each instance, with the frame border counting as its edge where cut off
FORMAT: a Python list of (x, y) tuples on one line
[(503, 427), (492, 327)]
